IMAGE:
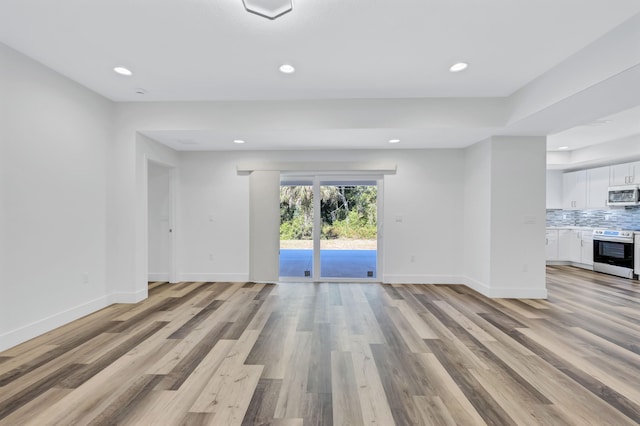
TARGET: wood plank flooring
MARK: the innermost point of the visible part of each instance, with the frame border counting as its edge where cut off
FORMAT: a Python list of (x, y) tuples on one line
[(345, 354)]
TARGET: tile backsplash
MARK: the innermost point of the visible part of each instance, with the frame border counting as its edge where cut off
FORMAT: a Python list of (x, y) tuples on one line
[(618, 218)]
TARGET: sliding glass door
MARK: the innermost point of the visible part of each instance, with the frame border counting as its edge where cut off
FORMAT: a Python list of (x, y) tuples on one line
[(329, 228), (296, 230), (348, 230)]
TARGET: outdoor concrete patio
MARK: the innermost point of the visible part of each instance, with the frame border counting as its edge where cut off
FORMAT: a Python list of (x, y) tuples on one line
[(333, 263)]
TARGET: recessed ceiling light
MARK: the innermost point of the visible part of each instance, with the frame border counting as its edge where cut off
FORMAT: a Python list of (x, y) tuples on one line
[(458, 67), (562, 148), (287, 69), (394, 140), (598, 123), (123, 71), (238, 141)]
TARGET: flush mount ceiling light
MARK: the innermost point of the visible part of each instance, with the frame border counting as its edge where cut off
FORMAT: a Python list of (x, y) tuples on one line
[(394, 140), (287, 69), (270, 9), (460, 66), (238, 141), (123, 71), (562, 148)]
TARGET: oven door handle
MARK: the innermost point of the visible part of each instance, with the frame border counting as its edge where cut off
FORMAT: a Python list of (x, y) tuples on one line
[(613, 240)]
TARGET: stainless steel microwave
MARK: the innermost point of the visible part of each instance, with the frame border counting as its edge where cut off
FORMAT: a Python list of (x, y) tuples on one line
[(627, 195)]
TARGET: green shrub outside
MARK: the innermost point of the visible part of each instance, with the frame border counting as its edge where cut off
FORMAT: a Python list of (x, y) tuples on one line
[(295, 229), (358, 221), (353, 227)]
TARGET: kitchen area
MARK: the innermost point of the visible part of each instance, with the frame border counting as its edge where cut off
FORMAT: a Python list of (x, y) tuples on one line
[(593, 219)]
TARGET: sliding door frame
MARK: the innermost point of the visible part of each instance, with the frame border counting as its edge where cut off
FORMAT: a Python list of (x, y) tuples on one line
[(318, 179)]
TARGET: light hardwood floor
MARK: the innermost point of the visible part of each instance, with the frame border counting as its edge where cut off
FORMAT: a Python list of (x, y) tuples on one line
[(344, 354)]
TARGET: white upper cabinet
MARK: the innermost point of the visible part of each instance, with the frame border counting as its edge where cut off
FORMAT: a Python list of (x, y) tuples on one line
[(597, 186), (574, 186), (554, 189), (624, 174), (588, 189)]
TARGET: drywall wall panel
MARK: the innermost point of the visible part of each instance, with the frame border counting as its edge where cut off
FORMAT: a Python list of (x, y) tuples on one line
[(55, 140)]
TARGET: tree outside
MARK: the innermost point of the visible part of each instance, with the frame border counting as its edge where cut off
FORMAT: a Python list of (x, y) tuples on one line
[(347, 213)]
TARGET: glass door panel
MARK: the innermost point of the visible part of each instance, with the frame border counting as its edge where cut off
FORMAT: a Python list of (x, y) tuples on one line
[(348, 235), (296, 231)]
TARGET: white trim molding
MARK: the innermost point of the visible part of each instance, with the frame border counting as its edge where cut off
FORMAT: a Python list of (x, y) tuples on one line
[(129, 297), (505, 292), (44, 325), (215, 278), (158, 276), (421, 279), (318, 167)]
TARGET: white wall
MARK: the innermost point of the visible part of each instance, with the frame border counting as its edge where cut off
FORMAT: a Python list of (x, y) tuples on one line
[(55, 140), (426, 193), (4, 180), (476, 242), (264, 225), (158, 225), (213, 218), (505, 222), (518, 217)]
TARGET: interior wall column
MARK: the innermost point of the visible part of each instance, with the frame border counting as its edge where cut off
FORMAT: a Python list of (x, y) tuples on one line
[(504, 217), (264, 226)]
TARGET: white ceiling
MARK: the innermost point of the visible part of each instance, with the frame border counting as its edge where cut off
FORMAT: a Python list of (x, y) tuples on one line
[(198, 140), (213, 50), (605, 129)]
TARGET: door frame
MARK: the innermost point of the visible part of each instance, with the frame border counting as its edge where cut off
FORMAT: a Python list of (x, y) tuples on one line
[(316, 180), (172, 171)]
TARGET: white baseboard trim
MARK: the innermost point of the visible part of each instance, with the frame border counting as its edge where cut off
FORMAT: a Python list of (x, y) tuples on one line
[(518, 293), (44, 325), (568, 263), (233, 278), (476, 285), (128, 297), (505, 292), (158, 276), (421, 279)]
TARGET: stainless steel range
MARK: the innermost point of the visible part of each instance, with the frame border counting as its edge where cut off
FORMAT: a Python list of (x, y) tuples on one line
[(613, 252)]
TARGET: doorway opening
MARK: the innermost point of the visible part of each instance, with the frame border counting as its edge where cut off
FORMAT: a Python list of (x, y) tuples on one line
[(160, 223), (330, 229)]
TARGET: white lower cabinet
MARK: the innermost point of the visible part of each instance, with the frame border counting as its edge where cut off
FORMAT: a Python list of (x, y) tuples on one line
[(570, 245), (552, 244), (586, 257)]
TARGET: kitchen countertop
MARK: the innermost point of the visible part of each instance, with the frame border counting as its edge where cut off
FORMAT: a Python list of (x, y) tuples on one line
[(582, 228)]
